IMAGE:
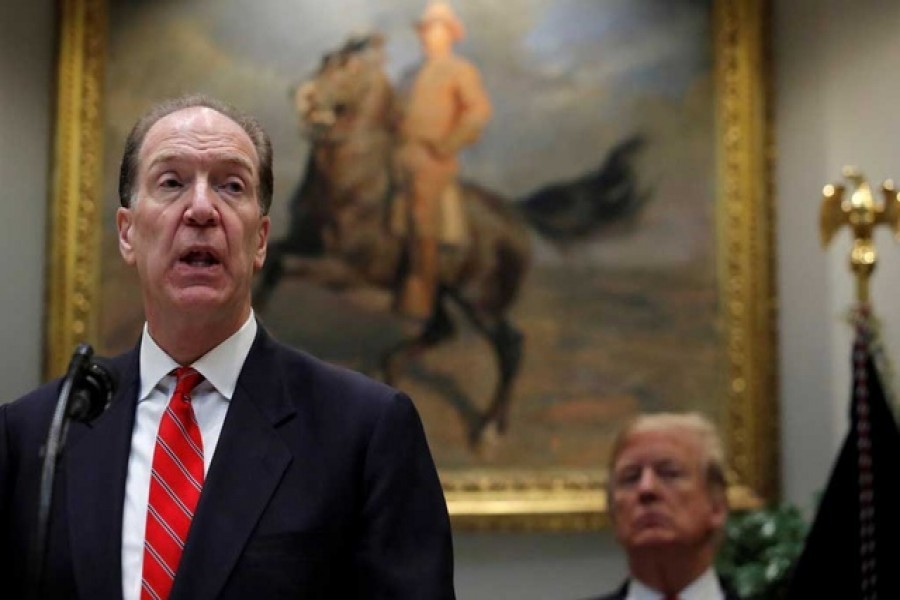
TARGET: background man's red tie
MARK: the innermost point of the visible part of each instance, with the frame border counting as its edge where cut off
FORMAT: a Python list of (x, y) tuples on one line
[(175, 484)]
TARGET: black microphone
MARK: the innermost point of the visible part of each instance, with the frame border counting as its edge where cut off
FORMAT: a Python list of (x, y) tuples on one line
[(93, 387), (84, 393)]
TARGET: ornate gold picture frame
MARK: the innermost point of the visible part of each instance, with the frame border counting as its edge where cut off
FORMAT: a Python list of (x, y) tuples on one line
[(485, 498)]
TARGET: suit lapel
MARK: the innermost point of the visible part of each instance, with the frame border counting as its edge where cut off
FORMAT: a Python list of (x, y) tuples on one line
[(96, 464), (249, 462)]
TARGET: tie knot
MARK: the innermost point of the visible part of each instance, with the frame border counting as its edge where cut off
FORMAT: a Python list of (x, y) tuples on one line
[(186, 380)]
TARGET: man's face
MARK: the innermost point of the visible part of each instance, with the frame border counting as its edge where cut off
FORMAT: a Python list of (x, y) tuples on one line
[(194, 230), (660, 494), (435, 37)]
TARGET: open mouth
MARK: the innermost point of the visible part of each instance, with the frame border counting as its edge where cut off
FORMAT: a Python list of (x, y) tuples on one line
[(199, 258)]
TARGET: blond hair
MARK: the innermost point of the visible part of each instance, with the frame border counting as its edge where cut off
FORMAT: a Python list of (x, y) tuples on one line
[(698, 426)]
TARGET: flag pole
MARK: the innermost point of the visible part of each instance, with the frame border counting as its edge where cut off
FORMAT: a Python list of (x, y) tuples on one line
[(851, 549)]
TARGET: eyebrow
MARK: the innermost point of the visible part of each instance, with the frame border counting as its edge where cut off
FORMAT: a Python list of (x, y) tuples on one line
[(655, 464), (230, 158)]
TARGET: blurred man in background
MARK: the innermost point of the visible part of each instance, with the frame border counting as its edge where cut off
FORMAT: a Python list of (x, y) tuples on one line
[(668, 504)]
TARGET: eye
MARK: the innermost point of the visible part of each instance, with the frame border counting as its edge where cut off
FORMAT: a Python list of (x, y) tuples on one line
[(628, 477), (668, 472), (169, 182), (232, 186)]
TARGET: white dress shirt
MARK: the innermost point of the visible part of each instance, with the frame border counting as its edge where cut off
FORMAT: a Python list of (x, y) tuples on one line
[(705, 587), (220, 368)]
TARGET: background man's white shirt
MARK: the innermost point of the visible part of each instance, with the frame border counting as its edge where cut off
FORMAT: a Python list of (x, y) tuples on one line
[(705, 587)]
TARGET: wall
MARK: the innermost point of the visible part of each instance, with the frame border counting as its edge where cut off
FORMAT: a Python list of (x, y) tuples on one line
[(26, 70), (836, 88), (536, 566)]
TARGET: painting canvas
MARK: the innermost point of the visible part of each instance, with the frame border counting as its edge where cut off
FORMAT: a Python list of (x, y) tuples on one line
[(624, 318)]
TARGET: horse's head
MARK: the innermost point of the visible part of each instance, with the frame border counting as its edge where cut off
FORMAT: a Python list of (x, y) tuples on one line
[(349, 87)]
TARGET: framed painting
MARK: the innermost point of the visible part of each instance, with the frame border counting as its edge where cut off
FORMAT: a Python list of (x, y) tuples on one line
[(668, 305)]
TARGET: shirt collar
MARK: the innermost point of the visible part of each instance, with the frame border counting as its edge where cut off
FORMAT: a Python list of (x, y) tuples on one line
[(220, 366), (703, 588)]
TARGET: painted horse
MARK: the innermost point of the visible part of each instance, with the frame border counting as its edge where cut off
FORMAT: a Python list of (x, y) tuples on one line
[(340, 232)]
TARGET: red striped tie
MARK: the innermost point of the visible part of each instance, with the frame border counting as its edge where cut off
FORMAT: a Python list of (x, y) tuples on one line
[(175, 484)]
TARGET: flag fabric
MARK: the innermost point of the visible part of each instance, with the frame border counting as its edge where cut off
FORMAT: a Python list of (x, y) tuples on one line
[(853, 548)]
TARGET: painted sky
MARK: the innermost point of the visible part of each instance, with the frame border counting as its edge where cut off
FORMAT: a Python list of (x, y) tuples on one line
[(568, 80)]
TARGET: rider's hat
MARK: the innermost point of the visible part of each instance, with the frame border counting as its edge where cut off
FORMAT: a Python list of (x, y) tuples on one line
[(442, 12)]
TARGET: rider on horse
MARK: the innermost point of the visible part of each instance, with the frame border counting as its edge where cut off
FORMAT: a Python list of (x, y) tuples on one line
[(445, 110)]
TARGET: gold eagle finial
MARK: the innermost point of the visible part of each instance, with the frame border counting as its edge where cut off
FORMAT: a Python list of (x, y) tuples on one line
[(861, 214)]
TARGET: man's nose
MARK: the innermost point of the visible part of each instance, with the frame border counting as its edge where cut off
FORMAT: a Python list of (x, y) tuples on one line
[(648, 484), (202, 209)]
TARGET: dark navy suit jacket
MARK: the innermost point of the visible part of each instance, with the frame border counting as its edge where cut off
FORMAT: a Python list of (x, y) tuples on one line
[(322, 486)]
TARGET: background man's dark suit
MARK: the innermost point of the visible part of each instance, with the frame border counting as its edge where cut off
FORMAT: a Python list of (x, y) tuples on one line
[(322, 486)]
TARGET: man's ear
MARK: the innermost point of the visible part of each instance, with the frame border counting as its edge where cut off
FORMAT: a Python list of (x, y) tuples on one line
[(262, 243), (719, 504), (125, 225)]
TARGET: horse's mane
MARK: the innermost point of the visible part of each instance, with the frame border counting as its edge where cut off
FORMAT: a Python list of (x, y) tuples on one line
[(350, 92)]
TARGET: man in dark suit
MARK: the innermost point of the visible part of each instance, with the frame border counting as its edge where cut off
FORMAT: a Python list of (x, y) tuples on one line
[(668, 504), (228, 465)]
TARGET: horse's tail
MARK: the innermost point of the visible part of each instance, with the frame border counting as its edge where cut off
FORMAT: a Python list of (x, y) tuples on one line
[(580, 207)]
